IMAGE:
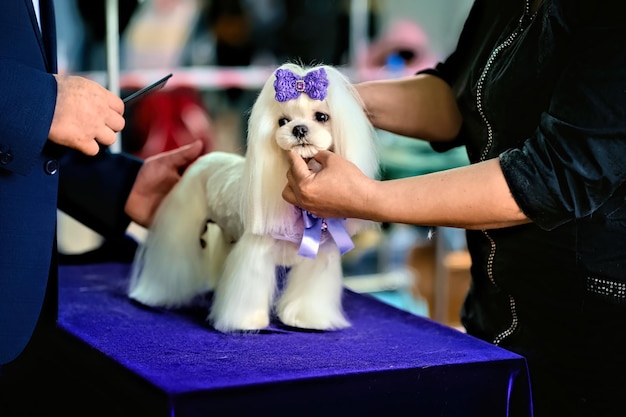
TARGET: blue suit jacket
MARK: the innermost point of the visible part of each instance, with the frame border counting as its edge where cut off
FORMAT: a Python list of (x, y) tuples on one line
[(35, 174)]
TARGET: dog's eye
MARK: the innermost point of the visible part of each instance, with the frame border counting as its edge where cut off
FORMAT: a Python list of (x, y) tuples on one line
[(282, 122), (321, 117)]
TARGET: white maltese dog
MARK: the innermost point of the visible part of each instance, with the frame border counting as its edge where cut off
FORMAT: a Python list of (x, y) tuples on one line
[(225, 226)]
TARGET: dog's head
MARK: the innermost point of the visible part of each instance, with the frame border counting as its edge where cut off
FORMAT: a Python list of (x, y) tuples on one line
[(305, 124), (304, 110)]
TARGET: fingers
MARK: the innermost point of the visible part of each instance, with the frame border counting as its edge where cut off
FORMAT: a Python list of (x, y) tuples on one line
[(298, 166), (114, 117), (300, 169), (323, 156), (89, 148), (156, 178), (181, 157), (289, 196), (187, 153), (300, 174), (105, 135), (86, 115), (115, 103)]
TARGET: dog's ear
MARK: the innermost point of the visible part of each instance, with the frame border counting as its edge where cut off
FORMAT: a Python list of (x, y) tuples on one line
[(263, 207), (354, 137)]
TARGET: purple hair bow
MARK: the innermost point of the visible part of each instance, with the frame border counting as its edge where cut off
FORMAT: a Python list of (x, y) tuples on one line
[(289, 86), (312, 236)]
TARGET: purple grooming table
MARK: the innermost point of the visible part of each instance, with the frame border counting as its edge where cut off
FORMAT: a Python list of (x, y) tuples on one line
[(156, 362)]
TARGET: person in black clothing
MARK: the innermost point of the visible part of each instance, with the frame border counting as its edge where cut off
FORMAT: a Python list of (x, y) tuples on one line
[(536, 92)]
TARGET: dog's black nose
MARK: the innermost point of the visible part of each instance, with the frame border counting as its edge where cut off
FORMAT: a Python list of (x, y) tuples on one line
[(300, 131)]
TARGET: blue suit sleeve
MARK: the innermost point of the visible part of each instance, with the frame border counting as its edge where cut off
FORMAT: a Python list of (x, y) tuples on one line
[(27, 102)]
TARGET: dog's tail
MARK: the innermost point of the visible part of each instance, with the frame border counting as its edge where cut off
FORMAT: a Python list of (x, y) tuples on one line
[(169, 269)]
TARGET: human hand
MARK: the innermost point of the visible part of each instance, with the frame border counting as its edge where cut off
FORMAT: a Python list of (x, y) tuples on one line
[(156, 178), (86, 115), (335, 188)]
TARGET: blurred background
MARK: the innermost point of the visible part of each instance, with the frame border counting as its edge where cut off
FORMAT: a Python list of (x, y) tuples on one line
[(221, 52)]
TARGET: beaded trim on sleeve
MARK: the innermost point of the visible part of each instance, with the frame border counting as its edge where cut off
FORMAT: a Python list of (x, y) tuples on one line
[(606, 288)]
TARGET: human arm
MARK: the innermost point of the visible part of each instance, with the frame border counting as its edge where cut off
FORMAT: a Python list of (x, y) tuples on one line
[(38, 107), (472, 197), (572, 164), (565, 159), (109, 190), (421, 106), (155, 179)]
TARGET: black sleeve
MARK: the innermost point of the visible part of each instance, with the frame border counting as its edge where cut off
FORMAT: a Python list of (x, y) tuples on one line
[(93, 190), (576, 160)]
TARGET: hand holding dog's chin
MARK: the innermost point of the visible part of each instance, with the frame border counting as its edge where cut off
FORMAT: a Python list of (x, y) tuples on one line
[(334, 190)]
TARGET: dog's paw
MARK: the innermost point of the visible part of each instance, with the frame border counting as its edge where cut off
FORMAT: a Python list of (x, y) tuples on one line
[(297, 314), (256, 320)]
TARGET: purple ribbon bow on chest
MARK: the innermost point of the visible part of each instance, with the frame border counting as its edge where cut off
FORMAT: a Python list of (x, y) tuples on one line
[(312, 236), (289, 86)]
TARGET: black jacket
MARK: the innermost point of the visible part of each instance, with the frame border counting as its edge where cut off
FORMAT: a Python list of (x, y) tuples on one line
[(546, 93)]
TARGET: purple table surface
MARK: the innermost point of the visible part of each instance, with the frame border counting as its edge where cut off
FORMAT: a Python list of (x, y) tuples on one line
[(387, 360)]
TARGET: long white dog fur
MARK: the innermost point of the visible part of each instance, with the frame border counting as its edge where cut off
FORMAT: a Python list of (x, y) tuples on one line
[(234, 207)]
